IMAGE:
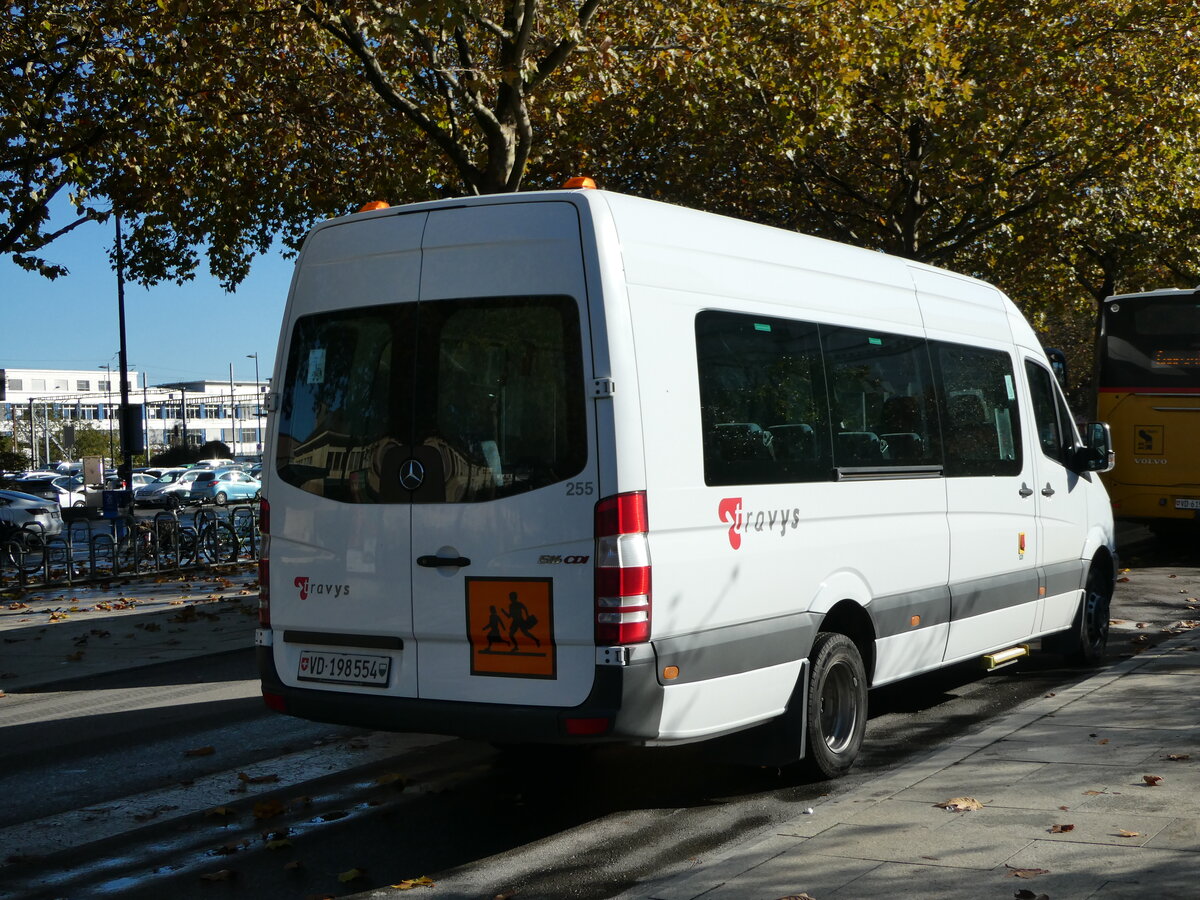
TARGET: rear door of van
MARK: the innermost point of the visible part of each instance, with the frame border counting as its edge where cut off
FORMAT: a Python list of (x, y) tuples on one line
[(502, 414), (433, 510)]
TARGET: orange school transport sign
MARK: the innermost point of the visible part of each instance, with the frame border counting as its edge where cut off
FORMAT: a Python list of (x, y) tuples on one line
[(510, 623)]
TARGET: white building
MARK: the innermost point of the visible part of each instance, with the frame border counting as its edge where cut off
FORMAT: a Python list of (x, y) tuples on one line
[(194, 412)]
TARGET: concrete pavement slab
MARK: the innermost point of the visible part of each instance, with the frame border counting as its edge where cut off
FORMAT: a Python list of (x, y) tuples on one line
[(1075, 872), (1074, 758), (57, 635)]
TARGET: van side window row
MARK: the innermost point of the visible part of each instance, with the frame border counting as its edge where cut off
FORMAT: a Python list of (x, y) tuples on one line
[(790, 401)]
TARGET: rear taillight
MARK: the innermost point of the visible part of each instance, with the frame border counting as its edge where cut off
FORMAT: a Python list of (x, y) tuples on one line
[(264, 566), (264, 591), (622, 570)]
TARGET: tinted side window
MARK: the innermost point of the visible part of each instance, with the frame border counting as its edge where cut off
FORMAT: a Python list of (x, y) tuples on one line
[(1054, 430), (763, 410), (979, 411), (881, 389)]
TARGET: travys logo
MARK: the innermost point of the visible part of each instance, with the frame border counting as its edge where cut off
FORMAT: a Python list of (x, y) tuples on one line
[(743, 522), (306, 587)]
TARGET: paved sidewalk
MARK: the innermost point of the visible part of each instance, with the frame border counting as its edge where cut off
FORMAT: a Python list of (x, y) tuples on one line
[(63, 634), (1091, 792)]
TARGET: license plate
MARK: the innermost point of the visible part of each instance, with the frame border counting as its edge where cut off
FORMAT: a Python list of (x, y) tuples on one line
[(344, 668), (1185, 503)]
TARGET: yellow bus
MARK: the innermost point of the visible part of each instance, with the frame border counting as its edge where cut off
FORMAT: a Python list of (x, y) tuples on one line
[(1148, 390)]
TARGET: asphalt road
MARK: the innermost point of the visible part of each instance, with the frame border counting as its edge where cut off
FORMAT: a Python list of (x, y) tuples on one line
[(377, 809)]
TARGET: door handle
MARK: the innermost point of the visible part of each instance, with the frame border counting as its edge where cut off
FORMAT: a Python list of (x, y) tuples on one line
[(437, 562), (1047, 491), (1026, 490)]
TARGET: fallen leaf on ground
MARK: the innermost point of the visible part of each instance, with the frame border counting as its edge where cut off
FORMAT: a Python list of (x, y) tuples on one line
[(409, 883), (1177, 757), (1152, 780), (221, 811), (350, 875), (75, 657), (1026, 894), (200, 751), (1102, 741), (257, 779), (278, 844), (797, 897), (387, 778), (1093, 793), (221, 875), (294, 864), (1061, 829), (267, 809), (960, 804), (1017, 872), (1124, 833)]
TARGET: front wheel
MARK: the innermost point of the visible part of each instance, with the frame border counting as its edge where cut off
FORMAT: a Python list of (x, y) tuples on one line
[(221, 499), (1084, 644), (837, 704)]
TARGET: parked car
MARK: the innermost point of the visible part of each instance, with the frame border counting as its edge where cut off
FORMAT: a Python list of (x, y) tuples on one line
[(18, 509), (51, 487), (224, 485), (169, 490)]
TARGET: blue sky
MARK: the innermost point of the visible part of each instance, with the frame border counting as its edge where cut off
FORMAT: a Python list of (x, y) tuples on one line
[(173, 332)]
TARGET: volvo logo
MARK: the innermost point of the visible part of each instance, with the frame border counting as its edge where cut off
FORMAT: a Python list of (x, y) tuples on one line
[(412, 475)]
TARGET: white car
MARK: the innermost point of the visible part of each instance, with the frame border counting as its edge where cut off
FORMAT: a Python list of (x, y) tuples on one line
[(18, 510)]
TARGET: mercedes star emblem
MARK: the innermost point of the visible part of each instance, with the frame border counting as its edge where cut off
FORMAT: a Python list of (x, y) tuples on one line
[(412, 474)]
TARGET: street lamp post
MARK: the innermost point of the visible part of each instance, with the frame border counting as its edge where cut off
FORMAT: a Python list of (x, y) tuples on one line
[(112, 453), (257, 404)]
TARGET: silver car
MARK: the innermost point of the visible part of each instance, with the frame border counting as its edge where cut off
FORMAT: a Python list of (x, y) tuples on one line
[(18, 510), (170, 489)]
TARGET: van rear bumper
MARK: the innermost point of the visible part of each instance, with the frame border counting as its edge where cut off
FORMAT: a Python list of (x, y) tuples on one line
[(617, 692)]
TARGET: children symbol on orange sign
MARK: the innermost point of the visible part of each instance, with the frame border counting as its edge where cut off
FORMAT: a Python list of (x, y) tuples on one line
[(521, 621)]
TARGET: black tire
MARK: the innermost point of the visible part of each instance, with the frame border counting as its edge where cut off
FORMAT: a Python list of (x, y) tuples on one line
[(79, 504), (220, 543), (1084, 644), (837, 704)]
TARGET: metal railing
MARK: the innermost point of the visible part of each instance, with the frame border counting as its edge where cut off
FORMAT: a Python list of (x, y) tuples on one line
[(125, 546)]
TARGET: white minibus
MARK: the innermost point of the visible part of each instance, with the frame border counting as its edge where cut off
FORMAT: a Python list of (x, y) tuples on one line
[(573, 466)]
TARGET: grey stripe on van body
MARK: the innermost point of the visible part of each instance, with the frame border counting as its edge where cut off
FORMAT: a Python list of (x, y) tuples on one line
[(1064, 577), (893, 615), (734, 649), (996, 592)]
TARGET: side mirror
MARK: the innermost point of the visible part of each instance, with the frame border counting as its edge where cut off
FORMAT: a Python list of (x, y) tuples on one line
[(1096, 454)]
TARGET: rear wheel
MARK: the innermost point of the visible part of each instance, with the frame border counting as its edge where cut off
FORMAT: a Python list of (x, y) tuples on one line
[(221, 499), (837, 704)]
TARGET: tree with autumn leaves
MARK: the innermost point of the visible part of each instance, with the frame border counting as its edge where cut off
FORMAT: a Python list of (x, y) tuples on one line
[(1049, 147)]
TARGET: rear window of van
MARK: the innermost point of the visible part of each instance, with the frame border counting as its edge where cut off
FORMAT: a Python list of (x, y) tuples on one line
[(444, 401)]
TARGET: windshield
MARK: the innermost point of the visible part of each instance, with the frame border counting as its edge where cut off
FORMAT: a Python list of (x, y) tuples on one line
[(1150, 342), (169, 478)]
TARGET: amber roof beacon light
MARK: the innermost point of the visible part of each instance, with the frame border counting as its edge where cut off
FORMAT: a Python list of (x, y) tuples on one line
[(580, 181)]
